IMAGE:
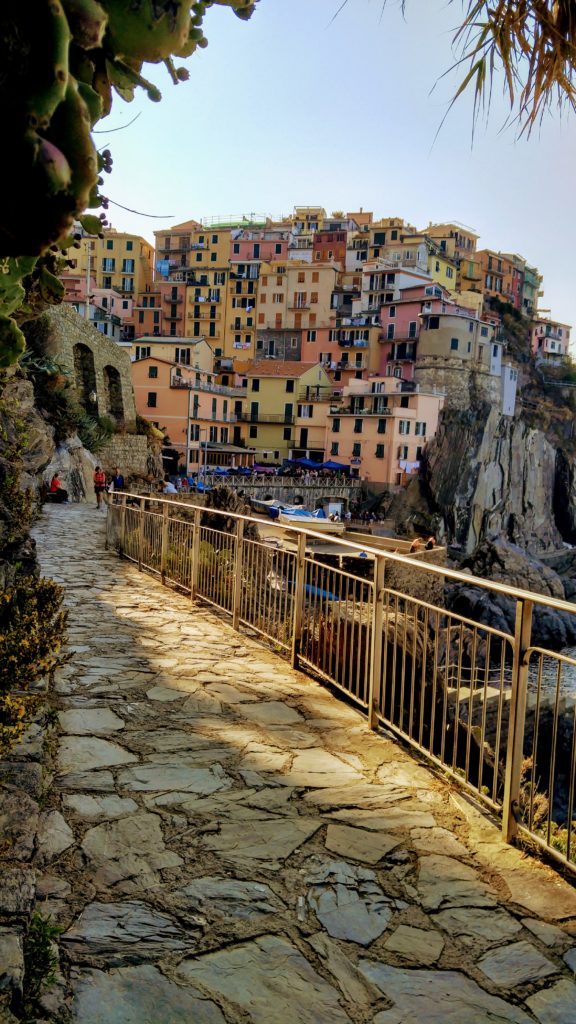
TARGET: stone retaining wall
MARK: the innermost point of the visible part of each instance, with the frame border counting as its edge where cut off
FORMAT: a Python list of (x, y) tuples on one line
[(129, 452)]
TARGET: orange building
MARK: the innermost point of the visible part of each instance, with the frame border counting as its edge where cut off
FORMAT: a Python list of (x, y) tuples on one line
[(381, 428), (198, 415)]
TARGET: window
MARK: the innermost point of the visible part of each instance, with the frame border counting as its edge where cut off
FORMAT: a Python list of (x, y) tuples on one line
[(315, 277), (449, 272), (214, 239), (404, 426), (182, 355), (392, 311), (403, 451), (454, 344), (306, 412), (495, 350), (277, 297), (214, 408), (255, 384), (287, 434), (156, 317), (314, 297), (356, 450), (109, 243), (412, 328), (311, 336), (358, 426), (142, 351), (127, 284), (394, 236), (336, 425), (108, 265), (390, 332), (484, 332), (152, 371), (420, 429), (141, 316), (381, 426), (253, 431), (124, 303), (151, 403), (379, 451), (127, 266), (433, 323), (405, 402), (334, 448), (290, 386)]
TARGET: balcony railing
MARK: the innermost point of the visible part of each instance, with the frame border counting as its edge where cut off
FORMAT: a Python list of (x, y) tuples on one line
[(215, 389), (171, 301), (265, 417), (489, 705)]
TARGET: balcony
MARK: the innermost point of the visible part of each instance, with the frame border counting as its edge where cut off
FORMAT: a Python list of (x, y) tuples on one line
[(299, 306), (214, 389), (173, 319), (355, 343), (172, 302), (317, 395), (264, 417)]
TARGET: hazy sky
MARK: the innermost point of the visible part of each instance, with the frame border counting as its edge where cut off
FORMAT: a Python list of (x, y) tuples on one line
[(293, 109)]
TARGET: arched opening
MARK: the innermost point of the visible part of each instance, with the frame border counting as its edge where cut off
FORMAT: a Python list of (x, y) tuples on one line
[(113, 393), (84, 375)]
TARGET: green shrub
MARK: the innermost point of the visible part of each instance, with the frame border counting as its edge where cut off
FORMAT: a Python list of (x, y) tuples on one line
[(32, 626)]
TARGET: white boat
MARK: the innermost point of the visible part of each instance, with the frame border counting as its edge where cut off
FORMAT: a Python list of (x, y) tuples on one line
[(311, 520)]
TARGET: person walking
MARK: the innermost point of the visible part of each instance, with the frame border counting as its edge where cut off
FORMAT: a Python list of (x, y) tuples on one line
[(118, 480), (99, 480)]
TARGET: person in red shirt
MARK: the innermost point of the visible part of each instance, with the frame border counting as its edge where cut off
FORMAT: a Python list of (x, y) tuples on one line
[(57, 492), (99, 479)]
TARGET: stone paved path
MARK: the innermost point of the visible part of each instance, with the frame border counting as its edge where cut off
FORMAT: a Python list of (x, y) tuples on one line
[(231, 844)]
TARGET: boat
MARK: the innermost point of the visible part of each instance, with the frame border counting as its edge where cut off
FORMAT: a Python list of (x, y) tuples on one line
[(313, 520)]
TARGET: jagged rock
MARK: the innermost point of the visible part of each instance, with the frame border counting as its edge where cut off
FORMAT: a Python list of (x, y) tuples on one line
[(75, 468), (16, 890), (269, 980), (498, 559), (123, 933), (491, 475), (348, 901), (18, 825), (132, 994), (11, 961)]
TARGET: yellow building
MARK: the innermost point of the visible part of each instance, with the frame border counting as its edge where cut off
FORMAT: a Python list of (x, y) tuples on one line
[(198, 256), (193, 352), (443, 269), (296, 294), (272, 406), (454, 239), (120, 261)]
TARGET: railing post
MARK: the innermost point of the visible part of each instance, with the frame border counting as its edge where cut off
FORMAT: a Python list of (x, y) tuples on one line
[(141, 533), (164, 551), (375, 681), (122, 526), (238, 561), (194, 570), (299, 589), (516, 720)]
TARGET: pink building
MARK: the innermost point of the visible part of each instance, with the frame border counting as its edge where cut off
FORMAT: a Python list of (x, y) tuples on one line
[(265, 245), (550, 340), (401, 321)]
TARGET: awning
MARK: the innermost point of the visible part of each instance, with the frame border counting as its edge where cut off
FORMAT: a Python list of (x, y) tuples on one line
[(334, 466)]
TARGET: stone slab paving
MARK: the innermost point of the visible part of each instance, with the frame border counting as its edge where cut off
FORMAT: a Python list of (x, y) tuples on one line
[(229, 843)]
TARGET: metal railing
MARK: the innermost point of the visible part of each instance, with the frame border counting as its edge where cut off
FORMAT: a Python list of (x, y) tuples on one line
[(487, 704)]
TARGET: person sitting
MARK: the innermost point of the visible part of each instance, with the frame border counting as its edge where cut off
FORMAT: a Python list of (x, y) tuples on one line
[(430, 543), (416, 545), (57, 492), (168, 486)]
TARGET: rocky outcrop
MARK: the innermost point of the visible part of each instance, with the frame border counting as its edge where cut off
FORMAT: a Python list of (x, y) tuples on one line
[(492, 476), (75, 468)]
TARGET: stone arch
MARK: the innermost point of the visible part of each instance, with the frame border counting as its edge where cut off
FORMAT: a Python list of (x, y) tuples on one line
[(113, 393), (84, 373)]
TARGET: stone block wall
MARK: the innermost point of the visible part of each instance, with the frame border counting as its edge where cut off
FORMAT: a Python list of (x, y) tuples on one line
[(458, 382), (106, 362), (425, 586), (129, 452)]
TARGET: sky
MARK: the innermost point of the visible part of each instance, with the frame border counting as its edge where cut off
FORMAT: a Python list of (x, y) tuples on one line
[(298, 107)]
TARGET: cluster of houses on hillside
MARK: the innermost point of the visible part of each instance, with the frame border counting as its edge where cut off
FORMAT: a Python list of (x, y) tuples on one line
[(320, 337)]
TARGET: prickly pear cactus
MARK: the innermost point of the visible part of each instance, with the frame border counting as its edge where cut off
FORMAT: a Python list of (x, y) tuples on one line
[(62, 61)]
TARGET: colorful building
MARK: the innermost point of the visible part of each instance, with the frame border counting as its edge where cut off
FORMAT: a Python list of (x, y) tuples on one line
[(272, 392), (550, 340), (119, 261), (197, 415), (381, 428)]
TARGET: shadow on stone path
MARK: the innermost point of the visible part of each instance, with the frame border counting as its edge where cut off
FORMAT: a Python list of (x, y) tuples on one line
[(232, 844)]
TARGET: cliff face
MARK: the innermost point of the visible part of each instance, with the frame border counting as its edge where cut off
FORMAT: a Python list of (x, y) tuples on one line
[(492, 476)]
